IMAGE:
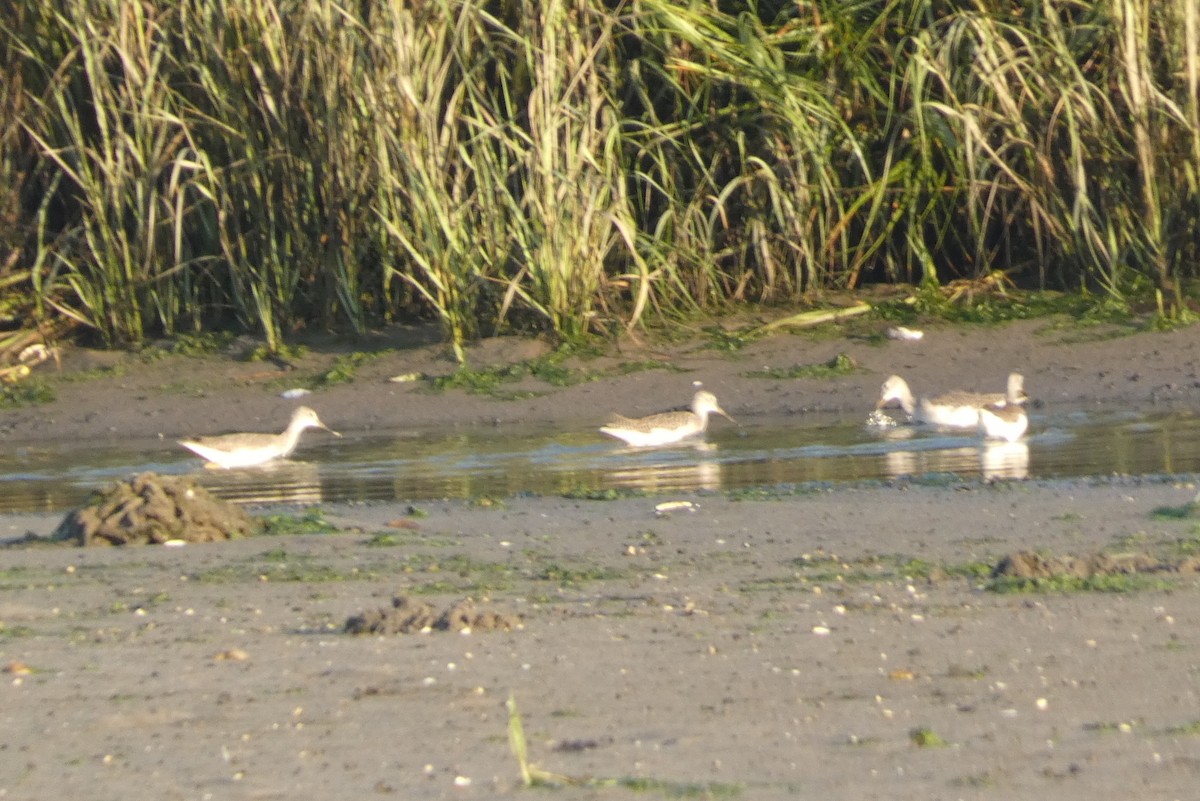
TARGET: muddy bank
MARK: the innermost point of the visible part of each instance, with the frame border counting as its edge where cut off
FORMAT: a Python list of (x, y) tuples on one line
[(109, 396), (852, 643), (840, 644)]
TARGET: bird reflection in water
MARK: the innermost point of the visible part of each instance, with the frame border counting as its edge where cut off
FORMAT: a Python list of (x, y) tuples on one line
[(659, 476), (1004, 460), (274, 482)]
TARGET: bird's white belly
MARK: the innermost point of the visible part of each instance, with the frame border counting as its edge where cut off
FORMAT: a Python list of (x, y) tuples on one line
[(948, 416)]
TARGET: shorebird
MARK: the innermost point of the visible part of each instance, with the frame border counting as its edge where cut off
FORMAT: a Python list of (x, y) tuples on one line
[(246, 450), (954, 409), (1006, 421), (666, 427)]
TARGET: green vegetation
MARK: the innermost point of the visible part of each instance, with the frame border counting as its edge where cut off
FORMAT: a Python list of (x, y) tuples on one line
[(920, 569), (838, 365), (204, 344), (978, 781), (30, 392), (1191, 729), (777, 492), (1111, 727), (533, 776), (392, 539), (584, 167), (487, 502), (488, 381), (276, 350), (1183, 547), (1176, 512), (14, 632), (455, 573), (572, 576), (17, 577), (1101, 582), (279, 565), (670, 789), (938, 479), (960, 672), (113, 371), (825, 569), (830, 569), (610, 494), (924, 737), (730, 342), (312, 521), (548, 369), (345, 367)]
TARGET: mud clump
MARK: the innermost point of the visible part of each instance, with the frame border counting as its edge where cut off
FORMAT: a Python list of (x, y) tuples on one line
[(1029, 565), (149, 510), (407, 615)]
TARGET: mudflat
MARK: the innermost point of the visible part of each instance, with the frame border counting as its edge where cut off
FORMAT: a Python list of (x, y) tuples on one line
[(905, 640)]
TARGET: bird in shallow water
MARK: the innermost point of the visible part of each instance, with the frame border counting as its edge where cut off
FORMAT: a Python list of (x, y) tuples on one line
[(953, 409), (1003, 421), (666, 427), (246, 450)]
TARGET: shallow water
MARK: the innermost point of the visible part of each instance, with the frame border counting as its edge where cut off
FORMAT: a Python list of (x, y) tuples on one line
[(470, 462)]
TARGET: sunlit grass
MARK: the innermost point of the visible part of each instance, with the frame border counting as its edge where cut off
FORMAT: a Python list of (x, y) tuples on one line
[(582, 168)]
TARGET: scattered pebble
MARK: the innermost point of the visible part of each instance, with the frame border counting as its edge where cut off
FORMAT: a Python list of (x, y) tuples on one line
[(292, 394), (231, 655)]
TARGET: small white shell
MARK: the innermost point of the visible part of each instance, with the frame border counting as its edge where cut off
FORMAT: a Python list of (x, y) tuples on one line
[(904, 334), (298, 392), (666, 507)]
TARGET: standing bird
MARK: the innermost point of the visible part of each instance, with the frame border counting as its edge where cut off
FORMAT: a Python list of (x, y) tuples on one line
[(246, 450), (1003, 421), (666, 427), (953, 409)]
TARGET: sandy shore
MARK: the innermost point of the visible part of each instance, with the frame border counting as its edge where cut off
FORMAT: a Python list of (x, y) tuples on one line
[(845, 644)]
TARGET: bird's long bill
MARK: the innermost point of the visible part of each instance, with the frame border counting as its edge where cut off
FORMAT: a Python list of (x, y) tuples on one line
[(726, 415), (330, 430)]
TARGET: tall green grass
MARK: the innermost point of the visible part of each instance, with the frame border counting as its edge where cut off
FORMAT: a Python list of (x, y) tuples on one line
[(579, 166)]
